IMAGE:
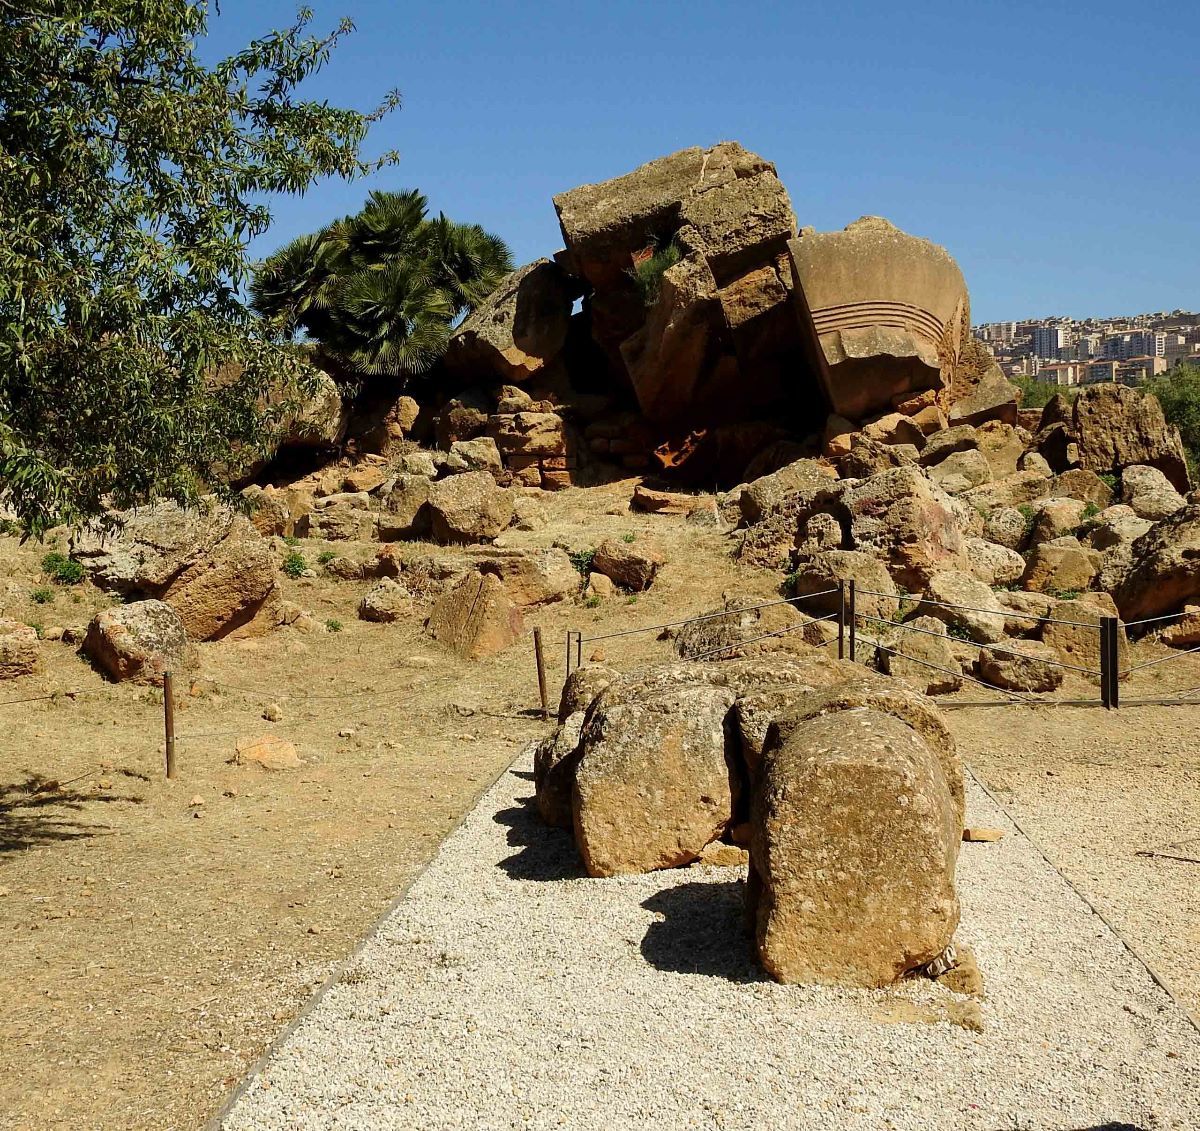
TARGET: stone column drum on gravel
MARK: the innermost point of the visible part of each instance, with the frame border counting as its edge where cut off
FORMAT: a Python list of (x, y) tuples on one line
[(854, 843), (655, 782)]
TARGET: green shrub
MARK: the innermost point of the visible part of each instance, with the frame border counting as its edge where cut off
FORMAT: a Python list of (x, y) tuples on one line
[(1111, 480), (42, 595), (8, 526), (326, 556), (1038, 394), (628, 537), (1179, 394), (291, 540), (592, 602), (295, 564), (1030, 517), (582, 560), (40, 629), (61, 569), (1090, 510), (333, 625), (647, 275)]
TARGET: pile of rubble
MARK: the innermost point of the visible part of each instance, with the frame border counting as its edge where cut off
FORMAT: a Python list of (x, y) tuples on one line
[(845, 787)]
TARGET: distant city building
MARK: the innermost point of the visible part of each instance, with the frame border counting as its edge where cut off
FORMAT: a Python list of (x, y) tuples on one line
[(1063, 373), (1050, 341), (1101, 371), (1139, 369)]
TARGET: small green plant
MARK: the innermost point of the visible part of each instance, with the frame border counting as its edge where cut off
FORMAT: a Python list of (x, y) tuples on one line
[(61, 569), (907, 604), (592, 602), (295, 564), (291, 540), (959, 633), (333, 625), (631, 599), (1065, 594), (40, 629), (582, 560), (647, 275), (1111, 480), (326, 556), (1030, 517), (629, 537), (1090, 510), (8, 526), (42, 595)]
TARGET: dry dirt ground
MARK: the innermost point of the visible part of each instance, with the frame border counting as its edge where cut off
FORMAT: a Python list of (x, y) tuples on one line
[(158, 935)]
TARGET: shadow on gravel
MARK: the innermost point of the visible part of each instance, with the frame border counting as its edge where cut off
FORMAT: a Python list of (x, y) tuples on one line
[(701, 932), (545, 853)]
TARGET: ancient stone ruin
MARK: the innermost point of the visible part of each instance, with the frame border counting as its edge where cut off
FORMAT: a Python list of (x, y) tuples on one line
[(846, 788)]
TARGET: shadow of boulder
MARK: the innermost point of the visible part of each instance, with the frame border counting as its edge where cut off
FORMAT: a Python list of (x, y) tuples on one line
[(701, 932), (544, 853)]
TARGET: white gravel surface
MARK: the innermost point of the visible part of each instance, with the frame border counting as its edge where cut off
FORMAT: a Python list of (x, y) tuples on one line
[(509, 991)]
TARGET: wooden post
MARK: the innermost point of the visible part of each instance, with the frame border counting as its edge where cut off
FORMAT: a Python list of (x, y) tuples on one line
[(169, 721), (541, 671)]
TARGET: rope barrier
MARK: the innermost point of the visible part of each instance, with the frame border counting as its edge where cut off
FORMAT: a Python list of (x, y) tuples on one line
[(1012, 695), (766, 636), (1160, 660), (1152, 620), (993, 647), (275, 694), (1002, 612), (705, 617)]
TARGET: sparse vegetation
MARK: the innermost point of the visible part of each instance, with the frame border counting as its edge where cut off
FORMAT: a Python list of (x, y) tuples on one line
[(61, 569), (1111, 480), (294, 565), (333, 625), (592, 602), (630, 537), (42, 595), (326, 556), (647, 275), (1038, 394), (1030, 517), (582, 560), (1090, 510)]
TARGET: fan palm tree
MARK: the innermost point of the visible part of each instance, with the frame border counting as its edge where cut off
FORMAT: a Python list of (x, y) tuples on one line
[(381, 291)]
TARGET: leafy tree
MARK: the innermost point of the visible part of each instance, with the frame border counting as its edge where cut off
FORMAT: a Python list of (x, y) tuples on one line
[(132, 177), (380, 291), (1178, 391)]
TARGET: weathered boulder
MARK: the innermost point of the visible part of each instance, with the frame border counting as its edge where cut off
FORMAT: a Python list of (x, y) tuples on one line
[(469, 508), (347, 516), (1116, 426), (311, 414), (519, 329), (816, 580), (895, 428), (1055, 517), (1165, 574), (140, 641), (907, 522), (268, 512), (805, 477), (1024, 612), (818, 533), (1074, 633), (1149, 493), (867, 457), (747, 626), (854, 843), (531, 577), (554, 764), (631, 565), (1012, 491), (888, 313), (209, 564), (960, 438), (654, 783), (463, 417), (404, 511), (923, 659), (1020, 665), (965, 604), (1086, 486), (480, 454), (20, 649), (1007, 526), (386, 602), (1185, 632), (993, 564), (267, 752), (582, 686), (1002, 446), (1061, 565), (994, 398), (476, 618), (960, 471)]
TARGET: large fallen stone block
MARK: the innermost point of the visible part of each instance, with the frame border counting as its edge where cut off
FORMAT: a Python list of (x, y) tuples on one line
[(888, 313), (20, 649), (1115, 426), (518, 330), (208, 563), (654, 783), (531, 577), (631, 565), (140, 641), (476, 618), (469, 508), (555, 762), (854, 844)]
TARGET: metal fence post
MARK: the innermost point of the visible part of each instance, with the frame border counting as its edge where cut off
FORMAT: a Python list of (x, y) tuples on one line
[(853, 617), (568, 665), (1107, 663), (540, 661), (841, 620)]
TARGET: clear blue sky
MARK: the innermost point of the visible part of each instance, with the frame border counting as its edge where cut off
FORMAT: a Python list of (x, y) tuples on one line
[(1053, 148)]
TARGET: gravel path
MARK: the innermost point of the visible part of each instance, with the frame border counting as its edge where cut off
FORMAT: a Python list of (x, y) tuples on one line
[(509, 991)]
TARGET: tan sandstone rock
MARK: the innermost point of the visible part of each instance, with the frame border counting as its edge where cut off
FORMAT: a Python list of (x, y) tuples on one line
[(20, 649), (855, 840), (476, 618), (469, 508), (140, 642), (631, 565)]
